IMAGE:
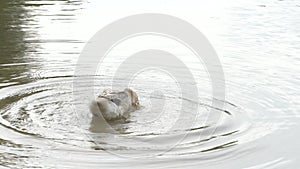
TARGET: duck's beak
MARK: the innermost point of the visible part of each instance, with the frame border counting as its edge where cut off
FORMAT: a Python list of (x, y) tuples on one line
[(137, 106)]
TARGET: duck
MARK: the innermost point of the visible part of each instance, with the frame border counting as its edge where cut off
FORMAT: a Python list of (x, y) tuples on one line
[(112, 105)]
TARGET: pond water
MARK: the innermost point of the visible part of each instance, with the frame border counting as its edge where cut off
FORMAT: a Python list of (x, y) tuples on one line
[(46, 123)]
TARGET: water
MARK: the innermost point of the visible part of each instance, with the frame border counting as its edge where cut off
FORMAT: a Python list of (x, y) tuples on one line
[(45, 124)]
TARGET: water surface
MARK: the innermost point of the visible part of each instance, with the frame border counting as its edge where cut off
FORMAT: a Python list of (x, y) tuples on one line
[(43, 125)]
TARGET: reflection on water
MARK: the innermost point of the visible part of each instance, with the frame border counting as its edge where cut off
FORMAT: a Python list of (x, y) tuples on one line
[(25, 38), (257, 42), (14, 19)]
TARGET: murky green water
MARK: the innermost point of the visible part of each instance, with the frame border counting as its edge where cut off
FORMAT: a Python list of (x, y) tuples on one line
[(44, 126)]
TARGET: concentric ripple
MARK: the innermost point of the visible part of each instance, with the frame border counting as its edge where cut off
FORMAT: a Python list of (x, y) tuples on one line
[(44, 109)]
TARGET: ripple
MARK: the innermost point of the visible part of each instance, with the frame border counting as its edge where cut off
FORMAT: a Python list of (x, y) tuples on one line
[(43, 109)]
